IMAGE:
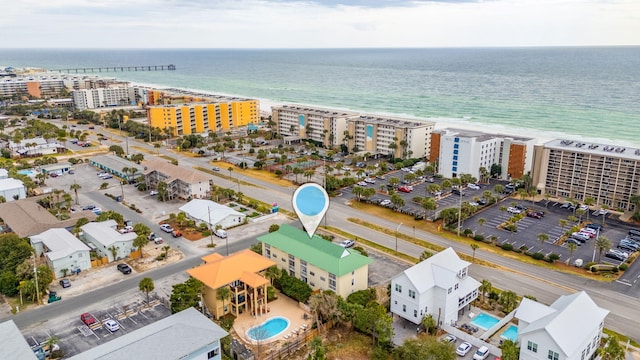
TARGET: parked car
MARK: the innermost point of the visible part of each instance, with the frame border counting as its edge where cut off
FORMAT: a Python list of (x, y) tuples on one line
[(124, 268), (450, 339), (88, 207), (463, 349), (112, 325), (158, 240), (166, 228), (126, 229), (347, 243), (87, 319), (404, 189), (481, 353), (215, 168), (458, 192), (473, 187), (615, 255), (176, 233), (385, 202), (513, 210), (65, 283), (595, 226), (580, 237), (153, 192), (573, 241), (220, 233), (534, 215)]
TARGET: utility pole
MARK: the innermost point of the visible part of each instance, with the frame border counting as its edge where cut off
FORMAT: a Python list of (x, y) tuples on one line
[(210, 228), (35, 272), (459, 211)]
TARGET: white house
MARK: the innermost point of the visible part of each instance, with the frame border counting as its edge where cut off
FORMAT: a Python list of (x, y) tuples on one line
[(11, 188), (105, 236), (62, 251), (569, 329), (439, 286), (35, 146), (212, 213)]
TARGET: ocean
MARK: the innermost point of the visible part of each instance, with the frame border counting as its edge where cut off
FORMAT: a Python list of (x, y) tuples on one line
[(589, 93)]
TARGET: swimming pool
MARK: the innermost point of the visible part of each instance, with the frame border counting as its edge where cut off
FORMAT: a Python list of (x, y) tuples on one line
[(28, 172), (484, 321), (511, 333), (268, 329)]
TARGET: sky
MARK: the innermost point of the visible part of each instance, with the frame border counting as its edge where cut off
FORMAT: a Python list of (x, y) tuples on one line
[(317, 23)]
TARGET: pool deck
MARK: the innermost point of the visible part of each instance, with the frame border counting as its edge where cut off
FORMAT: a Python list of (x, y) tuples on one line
[(495, 338), (282, 307)]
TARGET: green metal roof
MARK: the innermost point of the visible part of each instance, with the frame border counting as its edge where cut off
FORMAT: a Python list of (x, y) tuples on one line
[(316, 250)]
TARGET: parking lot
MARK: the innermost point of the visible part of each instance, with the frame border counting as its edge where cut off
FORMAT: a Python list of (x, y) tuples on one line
[(75, 337), (529, 228)]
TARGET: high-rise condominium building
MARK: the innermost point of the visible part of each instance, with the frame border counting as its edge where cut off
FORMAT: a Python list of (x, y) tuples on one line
[(397, 137), (302, 122), (458, 152), (609, 174)]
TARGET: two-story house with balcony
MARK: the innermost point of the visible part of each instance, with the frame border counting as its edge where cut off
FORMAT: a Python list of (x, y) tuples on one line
[(440, 286), (242, 273)]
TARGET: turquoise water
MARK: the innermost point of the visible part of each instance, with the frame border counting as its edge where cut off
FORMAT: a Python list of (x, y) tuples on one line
[(27, 172), (484, 321), (310, 200), (591, 92), (268, 329), (511, 333)]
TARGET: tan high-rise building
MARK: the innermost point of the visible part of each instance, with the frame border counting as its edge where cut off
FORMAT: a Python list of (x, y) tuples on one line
[(609, 174), (397, 137)]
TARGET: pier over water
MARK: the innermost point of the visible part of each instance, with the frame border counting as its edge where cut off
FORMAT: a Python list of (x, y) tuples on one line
[(169, 67)]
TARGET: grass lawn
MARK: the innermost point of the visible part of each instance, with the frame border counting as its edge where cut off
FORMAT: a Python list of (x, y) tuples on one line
[(352, 345), (262, 175)]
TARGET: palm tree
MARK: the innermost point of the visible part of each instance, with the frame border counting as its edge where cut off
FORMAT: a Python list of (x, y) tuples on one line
[(222, 294), (612, 349), (428, 203), (485, 288), (562, 224), (146, 286), (542, 237), (272, 273), (482, 221), (589, 201), (572, 247), (75, 187), (508, 300), (602, 244), (474, 247)]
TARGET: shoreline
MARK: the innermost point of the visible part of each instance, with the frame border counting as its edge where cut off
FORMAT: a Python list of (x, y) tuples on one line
[(464, 123)]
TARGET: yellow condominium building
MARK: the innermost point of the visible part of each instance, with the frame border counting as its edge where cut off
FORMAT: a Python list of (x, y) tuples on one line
[(195, 118)]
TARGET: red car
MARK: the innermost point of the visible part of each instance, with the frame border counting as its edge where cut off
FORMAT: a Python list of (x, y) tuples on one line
[(87, 319), (404, 189)]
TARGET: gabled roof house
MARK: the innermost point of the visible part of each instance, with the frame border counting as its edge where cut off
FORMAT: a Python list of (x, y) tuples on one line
[(568, 329), (107, 240), (439, 285), (212, 213), (62, 251)]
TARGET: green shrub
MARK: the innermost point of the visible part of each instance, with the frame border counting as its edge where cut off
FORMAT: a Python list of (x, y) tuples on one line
[(467, 232), (538, 256), (524, 248), (623, 267), (588, 265), (478, 237), (594, 269), (553, 257), (507, 247)]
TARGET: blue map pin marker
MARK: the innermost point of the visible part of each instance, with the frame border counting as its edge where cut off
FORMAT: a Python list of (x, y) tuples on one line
[(310, 202)]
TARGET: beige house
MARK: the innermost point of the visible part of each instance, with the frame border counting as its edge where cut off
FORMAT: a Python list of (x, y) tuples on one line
[(182, 183), (243, 274), (318, 262)]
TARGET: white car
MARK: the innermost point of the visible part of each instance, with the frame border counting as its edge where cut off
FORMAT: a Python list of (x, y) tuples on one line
[(513, 210), (220, 233), (347, 243), (450, 339), (481, 354), (385, 202), (584, 207), (153, 193), (166, 228), (473, 186), (463, 349), (112, 325)]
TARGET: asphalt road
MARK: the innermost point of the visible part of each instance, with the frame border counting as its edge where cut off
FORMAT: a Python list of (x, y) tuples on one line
[(545, 284)]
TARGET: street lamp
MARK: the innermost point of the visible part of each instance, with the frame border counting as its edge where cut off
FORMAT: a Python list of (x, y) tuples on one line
[(397, 229), (459, 210)]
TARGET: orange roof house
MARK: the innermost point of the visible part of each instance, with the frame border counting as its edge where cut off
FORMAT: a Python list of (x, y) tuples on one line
[(242, 273)]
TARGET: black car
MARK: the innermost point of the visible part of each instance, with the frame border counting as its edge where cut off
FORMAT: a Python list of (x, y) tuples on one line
[(595, 226), (88, 207), (65, 283), (124, 268), (615, 256), (574, 241)]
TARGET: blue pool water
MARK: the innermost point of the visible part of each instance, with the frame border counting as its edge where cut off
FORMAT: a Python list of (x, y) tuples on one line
[(484, 321), (511, 333), (27, 172), (268, 329)]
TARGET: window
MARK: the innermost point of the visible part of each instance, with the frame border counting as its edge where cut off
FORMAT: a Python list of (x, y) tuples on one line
[(553, 355), (532, 346), (213, 353), (449, 291), (412, 294), (399, 288), (404, 308), (415, 313)]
